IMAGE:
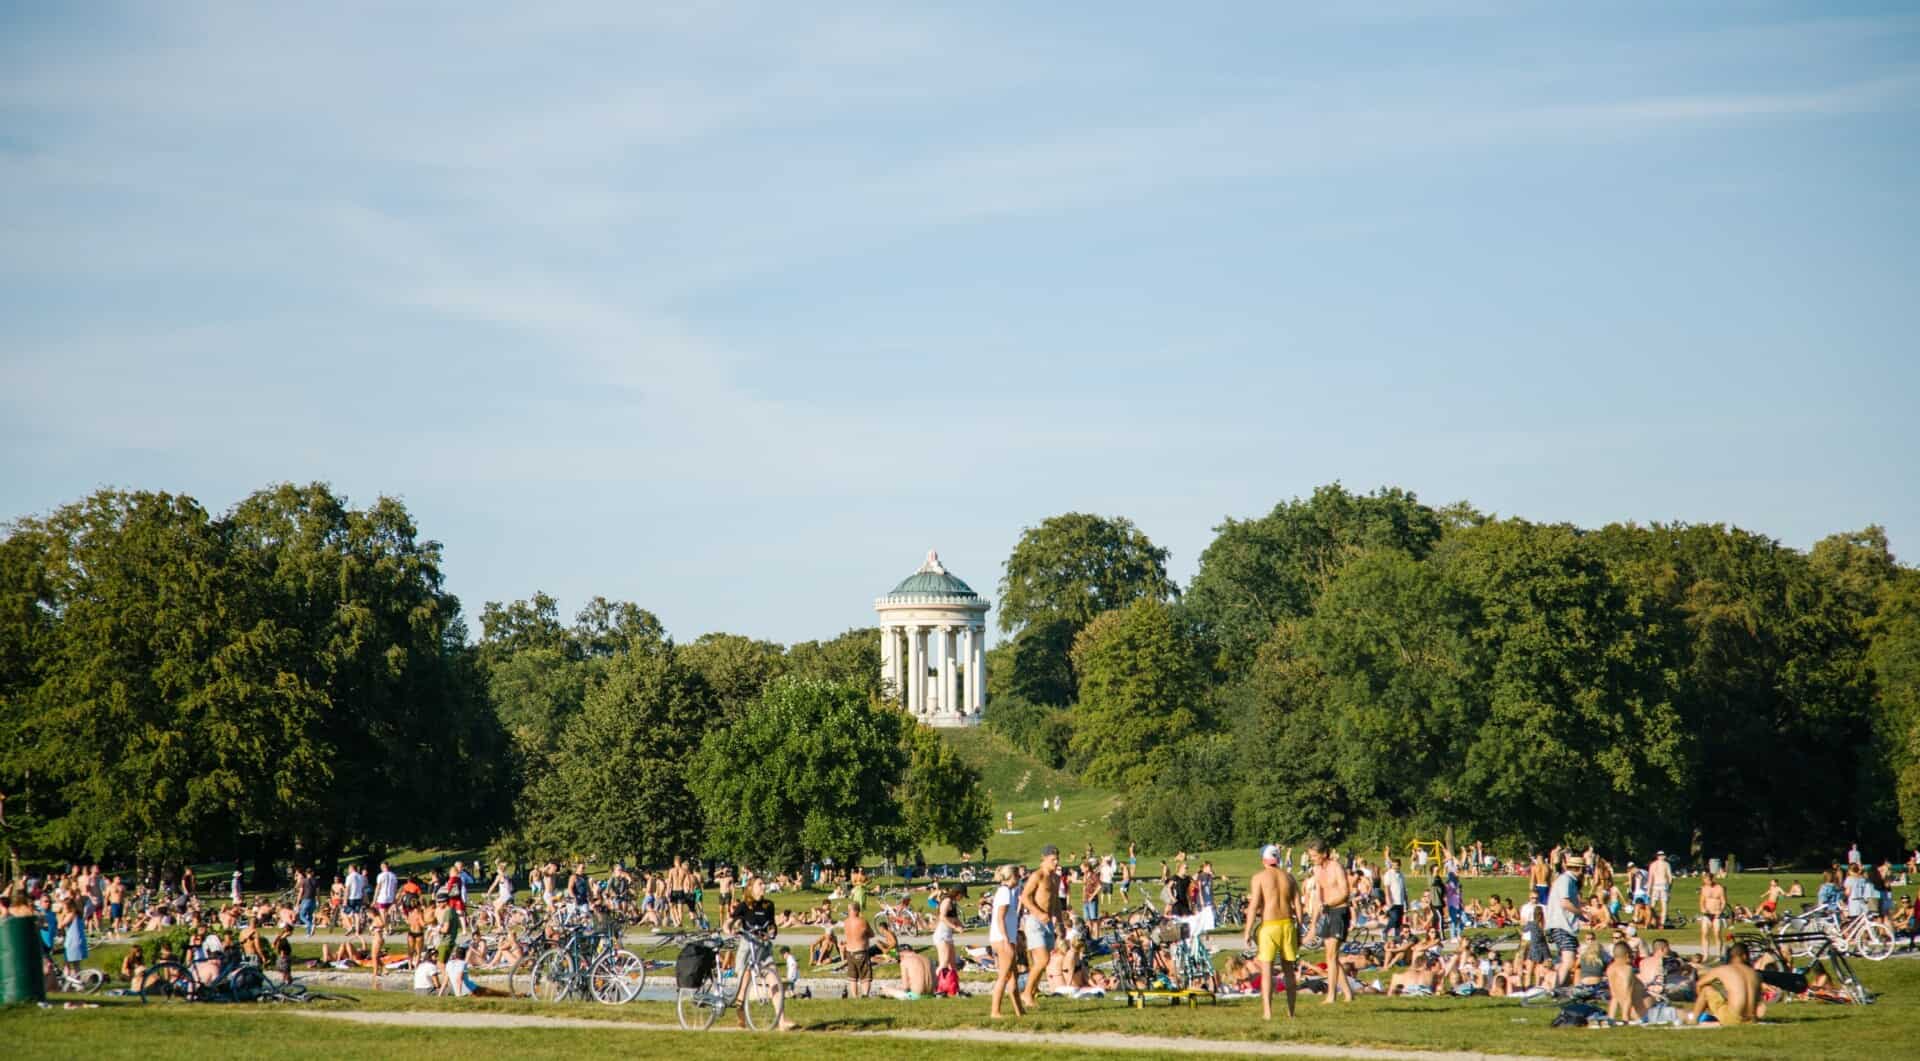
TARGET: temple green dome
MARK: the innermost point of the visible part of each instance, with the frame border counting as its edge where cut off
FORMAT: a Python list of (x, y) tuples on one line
[(932, 580)]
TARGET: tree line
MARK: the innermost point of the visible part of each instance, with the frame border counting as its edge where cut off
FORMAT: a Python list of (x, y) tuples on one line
[(1366, 667), (290, 681)]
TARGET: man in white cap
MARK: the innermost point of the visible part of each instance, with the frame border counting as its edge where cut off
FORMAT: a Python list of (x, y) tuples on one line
[(1273, 902)]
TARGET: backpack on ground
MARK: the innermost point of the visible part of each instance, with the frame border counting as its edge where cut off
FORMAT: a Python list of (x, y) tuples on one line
[(1577, 1014), (947, 982)]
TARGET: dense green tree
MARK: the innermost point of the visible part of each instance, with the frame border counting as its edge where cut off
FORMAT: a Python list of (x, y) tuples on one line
[(1141, 691), (117, 598), (616, 786), (1580, 733), (605, 628), (1187, 808), (1037, 663), (535, 693), (1041, 730), (517, 626), (355, 603), (808, 771), (1075, 566), (1258, 572), (941, 796), (852, 659), (1893, 657), (736, 668), (1286, 777)]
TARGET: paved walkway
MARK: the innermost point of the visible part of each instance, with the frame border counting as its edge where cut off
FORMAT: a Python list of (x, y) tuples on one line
[(1082, 1040)]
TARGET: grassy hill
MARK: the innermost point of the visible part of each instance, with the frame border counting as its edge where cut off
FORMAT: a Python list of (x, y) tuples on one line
[(1017, 782)]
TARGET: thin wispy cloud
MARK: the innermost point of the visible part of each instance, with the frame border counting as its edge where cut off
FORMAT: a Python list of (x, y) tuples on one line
[(710, 254)]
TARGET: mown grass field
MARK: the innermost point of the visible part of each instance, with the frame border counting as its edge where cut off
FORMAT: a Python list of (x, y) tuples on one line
[(122, 1028)]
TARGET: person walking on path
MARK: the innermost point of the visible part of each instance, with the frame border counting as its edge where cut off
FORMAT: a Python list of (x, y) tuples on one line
[(1003, 934), (1040, 903)]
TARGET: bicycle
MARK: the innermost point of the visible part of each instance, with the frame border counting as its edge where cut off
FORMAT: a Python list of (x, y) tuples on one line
[(177, 982), (701, 994), (588, 964), (78, 981)]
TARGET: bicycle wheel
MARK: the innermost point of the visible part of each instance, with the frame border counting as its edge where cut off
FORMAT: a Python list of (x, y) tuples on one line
[(618, 977), (246, 984), (92, 980), (699, 1007), (757, 1004), (168, 982), (520, 977), (552, 976), (1874, 943)]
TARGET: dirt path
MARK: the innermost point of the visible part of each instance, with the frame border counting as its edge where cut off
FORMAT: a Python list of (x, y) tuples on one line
[(1084, 1040)]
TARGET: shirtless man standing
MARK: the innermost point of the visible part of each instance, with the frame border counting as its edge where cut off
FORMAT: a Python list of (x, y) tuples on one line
[(1731, 991), (858, 951), (1041, 906), (1660, 884), (1713, 915), (1273, 900), (1334, 920)]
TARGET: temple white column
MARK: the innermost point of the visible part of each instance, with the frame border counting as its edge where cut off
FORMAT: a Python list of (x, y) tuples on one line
[(949, 697), (916, 672), (969, 672), (978, 701)]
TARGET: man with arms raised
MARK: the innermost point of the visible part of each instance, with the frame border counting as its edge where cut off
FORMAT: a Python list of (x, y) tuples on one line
[(1335, 916), (1272, 901), (1040, 903)]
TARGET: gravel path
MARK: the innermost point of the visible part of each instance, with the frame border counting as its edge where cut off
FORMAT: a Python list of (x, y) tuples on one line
[(1083, 1040)]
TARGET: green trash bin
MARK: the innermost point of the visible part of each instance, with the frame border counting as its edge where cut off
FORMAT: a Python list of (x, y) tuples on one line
[(23, 972)]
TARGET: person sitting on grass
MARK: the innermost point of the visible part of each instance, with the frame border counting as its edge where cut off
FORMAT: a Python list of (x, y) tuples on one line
[(916, 976), (133, 968), (1627, 996), (1730, 992), (1422, 978), (426, 977), (825, 950)]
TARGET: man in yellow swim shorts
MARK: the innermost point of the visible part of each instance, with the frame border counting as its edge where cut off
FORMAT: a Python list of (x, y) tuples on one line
[(1273, 904)]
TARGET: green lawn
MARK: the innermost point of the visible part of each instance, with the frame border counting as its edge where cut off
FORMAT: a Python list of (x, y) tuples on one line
[(122, 1029)]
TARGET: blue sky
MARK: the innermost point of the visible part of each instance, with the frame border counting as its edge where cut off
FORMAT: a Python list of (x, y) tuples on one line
[(734, 310)]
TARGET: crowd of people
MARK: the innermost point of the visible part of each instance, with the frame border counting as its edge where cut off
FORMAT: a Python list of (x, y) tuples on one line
[(1347, 925)]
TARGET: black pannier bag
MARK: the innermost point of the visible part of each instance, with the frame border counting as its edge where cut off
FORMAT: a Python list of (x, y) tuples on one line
[(694, 965)]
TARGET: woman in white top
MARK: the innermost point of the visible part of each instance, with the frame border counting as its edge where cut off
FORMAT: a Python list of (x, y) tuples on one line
[(1005, 958)]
